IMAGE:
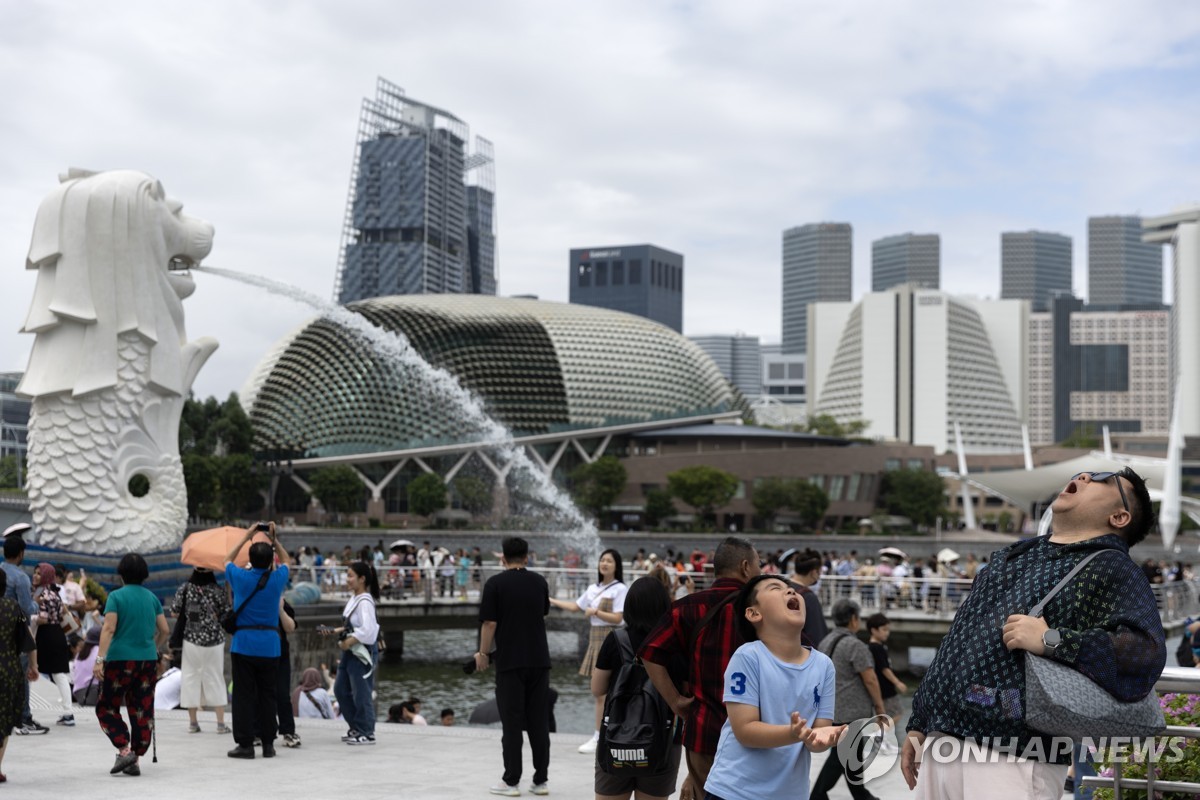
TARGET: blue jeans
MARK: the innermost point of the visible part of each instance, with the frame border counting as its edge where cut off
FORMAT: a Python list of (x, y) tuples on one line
[(353, 692)]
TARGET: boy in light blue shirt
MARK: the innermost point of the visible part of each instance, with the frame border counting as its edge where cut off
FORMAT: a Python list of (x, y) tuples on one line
[(779, 696)]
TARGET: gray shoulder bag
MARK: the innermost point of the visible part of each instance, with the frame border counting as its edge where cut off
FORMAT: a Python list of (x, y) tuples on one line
[(1062, 701)]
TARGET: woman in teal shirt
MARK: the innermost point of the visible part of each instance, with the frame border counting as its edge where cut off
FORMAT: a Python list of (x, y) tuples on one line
[(134, 629)]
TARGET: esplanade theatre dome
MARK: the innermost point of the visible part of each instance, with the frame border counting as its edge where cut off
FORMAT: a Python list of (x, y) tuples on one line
[(539, 367)]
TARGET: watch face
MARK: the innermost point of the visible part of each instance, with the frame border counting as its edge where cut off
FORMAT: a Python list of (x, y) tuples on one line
[(1051, 638)]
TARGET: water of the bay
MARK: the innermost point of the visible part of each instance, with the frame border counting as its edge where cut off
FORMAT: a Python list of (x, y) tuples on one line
[(432, 671)]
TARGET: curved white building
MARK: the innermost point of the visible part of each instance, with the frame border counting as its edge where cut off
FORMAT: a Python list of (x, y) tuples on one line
[(913, 362)]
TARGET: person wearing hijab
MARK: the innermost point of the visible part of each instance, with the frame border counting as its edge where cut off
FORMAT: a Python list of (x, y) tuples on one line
[(54, 657), (202, 665), (87, 688), (310, 699)]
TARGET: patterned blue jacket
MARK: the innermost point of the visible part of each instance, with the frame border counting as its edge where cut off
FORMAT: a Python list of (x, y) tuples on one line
[(1110, 625)]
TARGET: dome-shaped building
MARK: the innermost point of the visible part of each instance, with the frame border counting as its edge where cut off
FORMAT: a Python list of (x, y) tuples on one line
[(537, 367)]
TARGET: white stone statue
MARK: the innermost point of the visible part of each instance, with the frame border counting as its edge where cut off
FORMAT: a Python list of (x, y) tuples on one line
[(111, 365)]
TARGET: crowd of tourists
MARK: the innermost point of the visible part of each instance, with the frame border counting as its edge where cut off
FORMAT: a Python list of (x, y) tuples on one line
[(748, 680)]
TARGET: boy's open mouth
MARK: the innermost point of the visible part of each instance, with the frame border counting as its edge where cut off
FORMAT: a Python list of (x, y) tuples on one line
[(793, 603)]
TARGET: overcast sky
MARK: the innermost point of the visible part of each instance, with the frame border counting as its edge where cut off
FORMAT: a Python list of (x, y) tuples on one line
[(703, 127)]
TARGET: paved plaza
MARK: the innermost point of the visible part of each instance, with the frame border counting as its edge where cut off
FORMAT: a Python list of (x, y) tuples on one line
[(435, 763)]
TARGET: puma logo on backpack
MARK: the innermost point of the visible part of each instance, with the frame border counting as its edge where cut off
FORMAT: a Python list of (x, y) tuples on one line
[(635, 736)]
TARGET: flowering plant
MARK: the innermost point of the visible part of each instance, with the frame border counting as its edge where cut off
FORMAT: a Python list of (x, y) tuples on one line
[(1178, 760)]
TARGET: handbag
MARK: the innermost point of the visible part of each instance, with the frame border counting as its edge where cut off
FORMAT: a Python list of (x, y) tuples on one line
[(230, 620), (23, 636), (176, 640), (1062, 701)]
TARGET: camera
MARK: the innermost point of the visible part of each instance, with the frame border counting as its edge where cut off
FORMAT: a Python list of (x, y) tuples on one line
[(265, 527)]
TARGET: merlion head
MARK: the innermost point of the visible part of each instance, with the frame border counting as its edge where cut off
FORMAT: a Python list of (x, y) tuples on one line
[(112, 253)]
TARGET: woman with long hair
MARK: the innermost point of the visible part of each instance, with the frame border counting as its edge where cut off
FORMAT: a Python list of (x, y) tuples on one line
[(133, 631), (357, 637), (54, 657), (645, 603), (202, 666), (14, 632), (603, 602)]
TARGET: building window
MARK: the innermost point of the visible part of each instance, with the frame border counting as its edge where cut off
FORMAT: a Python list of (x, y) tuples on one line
[(836, 482), (775, 372), (795, 372), (618, 273), (852, 487), (891, 464), (585, 275), (635, 272), (601, 268), (916, 463)]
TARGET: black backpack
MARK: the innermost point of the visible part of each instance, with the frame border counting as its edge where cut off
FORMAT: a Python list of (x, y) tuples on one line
[(635, 737), (1183, 653)]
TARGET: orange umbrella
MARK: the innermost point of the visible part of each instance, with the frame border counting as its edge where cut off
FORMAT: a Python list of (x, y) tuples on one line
[(209, 548)]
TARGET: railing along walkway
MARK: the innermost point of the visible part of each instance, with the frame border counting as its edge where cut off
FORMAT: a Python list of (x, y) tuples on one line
[(937, 596), (1184, 680)]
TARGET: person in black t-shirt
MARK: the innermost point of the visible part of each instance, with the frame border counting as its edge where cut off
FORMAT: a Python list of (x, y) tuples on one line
[(890, 687), (513, 613)]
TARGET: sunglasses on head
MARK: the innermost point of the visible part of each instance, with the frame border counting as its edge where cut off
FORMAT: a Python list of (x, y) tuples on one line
[(1103, 476)]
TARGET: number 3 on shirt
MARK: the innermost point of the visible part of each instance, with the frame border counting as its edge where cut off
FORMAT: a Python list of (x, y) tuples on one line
[(737, 683)]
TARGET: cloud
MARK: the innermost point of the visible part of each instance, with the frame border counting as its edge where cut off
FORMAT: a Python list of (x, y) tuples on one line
[(704, 127)]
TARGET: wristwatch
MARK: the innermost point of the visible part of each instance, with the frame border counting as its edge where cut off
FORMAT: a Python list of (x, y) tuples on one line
[(1051, 639)]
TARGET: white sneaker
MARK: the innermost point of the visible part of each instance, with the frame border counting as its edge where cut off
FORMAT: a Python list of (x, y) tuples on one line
[(505, 790), (539, 788), (590, 745)]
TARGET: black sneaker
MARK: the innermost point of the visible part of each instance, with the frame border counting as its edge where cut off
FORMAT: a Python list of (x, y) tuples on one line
[(350, 736), (32, 728), (133, 769)]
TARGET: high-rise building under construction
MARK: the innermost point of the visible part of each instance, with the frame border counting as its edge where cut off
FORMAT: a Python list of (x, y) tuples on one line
[(420, 216)]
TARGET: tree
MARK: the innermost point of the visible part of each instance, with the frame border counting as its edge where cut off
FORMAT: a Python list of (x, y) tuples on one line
[(913, 493), (338, 488), (1083, 436), (426, 495), (241, 484), (8, 473), (702, 487), (658, 507), (827, 425), (598, 484), (474, 494), (203, 482), (769, 496), (809, 501)]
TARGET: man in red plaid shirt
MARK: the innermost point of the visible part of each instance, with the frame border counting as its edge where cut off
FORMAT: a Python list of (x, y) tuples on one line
[(698, 701)]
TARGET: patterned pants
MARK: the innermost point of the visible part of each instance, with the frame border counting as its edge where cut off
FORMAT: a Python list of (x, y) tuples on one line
[(131, 682)]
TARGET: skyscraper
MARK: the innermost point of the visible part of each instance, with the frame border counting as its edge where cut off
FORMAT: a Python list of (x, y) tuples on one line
[(639, 279), (420, 211), (1034, 266), (816, 268), (1122, 269), (739, 358), (914, 258)]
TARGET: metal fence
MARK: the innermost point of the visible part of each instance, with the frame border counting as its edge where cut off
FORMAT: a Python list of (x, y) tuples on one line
[(1185, 680)]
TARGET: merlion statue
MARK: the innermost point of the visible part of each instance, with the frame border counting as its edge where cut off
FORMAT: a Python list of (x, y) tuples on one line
[(111, 364)]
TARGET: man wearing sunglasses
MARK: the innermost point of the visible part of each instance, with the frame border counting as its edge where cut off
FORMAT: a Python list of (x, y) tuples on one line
[(1104, 623)]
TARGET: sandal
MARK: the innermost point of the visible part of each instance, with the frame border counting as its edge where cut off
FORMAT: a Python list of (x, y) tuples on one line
[(222, 728), (194, 727)]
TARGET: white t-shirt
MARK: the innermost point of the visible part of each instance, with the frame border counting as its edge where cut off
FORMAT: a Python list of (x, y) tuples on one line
[(310, 710), (595, 593), (360, 610), (166, 691)]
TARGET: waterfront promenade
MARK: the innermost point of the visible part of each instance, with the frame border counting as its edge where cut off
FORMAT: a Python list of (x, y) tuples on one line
[(435, 763)]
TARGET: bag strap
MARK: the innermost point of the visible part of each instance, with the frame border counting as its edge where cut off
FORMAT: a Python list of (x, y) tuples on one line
[(313, 700), (261, 583), (707, 618), (623, 641), (1036, 611)]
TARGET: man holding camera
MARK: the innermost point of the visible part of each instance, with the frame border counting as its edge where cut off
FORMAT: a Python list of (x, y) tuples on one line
[(257, 593), (513, 612)]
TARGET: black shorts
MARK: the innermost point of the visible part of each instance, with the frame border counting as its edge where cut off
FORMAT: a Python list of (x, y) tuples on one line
[(661, 785)]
